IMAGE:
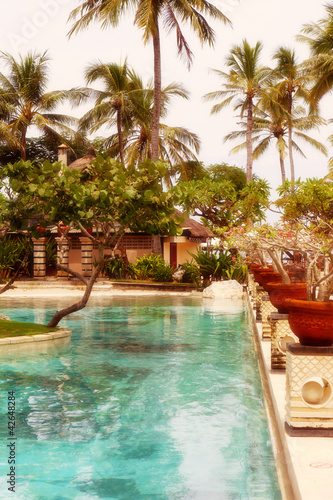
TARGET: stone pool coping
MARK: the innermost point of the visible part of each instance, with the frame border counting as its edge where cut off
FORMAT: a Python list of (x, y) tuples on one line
[(62, 333), (304, 464), (72, 289)]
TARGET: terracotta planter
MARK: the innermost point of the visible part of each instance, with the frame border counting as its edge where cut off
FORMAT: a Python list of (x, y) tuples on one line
[(270, 277), (279, 292), (257, 272), (89, 231), (63, 229), (311, 321)]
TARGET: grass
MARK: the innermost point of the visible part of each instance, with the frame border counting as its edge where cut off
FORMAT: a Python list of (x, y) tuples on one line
[(17, 329)]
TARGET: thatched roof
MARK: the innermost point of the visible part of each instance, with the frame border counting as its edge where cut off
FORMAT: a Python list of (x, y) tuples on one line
[(82, 163), (195, 229)]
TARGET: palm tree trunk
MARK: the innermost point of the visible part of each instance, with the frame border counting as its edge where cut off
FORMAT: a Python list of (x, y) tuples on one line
[(23, 145), (283, 170), (120, 137), (249, 152), (155, 131), (291, 157), (290, 140)]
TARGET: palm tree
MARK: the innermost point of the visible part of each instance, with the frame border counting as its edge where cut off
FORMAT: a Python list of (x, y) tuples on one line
[(290, 84), (147, 18), (273, 123), (24, 102), (175, 143), (245, 80), (113, 104)]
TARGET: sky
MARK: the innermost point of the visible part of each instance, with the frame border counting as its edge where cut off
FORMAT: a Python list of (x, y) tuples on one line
[(39, 25)]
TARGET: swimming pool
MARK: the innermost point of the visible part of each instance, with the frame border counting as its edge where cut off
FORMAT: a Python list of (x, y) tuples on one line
[(155, 398)]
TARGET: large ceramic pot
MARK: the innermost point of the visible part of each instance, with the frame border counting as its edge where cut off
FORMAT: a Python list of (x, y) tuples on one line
[(279, 292), (311, 321), (257, 272), (270, 277)]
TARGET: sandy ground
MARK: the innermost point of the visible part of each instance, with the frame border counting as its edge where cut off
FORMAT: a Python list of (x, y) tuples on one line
[(57, 291)]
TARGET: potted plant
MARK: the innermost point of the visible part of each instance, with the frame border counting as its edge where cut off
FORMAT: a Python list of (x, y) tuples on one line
[(308, 208)]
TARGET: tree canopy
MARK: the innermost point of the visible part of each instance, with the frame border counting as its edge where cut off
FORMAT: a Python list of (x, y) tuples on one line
[(106, 197)]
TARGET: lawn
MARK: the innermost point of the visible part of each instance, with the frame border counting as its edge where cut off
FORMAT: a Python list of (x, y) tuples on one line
[(16, 329)]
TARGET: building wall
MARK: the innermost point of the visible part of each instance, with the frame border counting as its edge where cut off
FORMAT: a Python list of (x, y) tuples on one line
[(137, 246), (183, 246)]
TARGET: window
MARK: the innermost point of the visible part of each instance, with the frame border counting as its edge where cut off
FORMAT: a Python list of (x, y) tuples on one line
[(137, 242)]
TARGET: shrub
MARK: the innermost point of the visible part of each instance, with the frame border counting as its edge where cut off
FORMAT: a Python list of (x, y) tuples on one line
[(221, 265), (191, 273), (12, 251), (153, 267), (116, 268)]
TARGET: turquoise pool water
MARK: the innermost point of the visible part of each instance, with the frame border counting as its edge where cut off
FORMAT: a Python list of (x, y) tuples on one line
[(155, 398)]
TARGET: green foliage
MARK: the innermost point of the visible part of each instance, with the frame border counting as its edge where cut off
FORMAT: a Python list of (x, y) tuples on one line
[(191, 273), (12, 251), (116, 268), (153, 267), (221, 265), (106, 195), (224, 172), (310, 200), (50, 252), (221, 205)]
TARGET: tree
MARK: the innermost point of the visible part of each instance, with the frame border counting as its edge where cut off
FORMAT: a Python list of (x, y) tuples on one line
[(105, 197), (147, 18), (226, 202), (24, 102), (272, 123), (291, 85), (245, 82), (318, 36), (176, 144), (113, 104), (39, 149)]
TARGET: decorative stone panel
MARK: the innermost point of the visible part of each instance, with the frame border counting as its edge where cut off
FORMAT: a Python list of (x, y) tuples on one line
[(260, 291), (309, 390), (86, 256), (39, 257), (62, 257), (281, 335), (266, 309), (251, 286)]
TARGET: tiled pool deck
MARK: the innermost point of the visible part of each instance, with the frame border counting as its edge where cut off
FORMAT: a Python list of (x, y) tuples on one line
[(305, 464)]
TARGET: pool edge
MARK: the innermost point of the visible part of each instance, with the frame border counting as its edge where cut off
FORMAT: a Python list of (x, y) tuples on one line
[(286, 474)]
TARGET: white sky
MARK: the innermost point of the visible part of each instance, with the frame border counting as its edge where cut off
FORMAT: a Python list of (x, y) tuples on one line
[(42, 25)]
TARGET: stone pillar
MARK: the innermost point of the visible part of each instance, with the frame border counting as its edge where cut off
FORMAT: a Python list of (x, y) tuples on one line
[(86, 256), (309, 402), (266, 309), (65, 257), (39, 257), (260, 291), (251, 287), (281, 335)]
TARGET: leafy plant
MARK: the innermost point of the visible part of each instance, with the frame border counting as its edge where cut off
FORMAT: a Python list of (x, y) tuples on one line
[(220, 265), (12, 251), (153, 267), (51, 252), (116, 268), (162, 272), (191, 273)]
